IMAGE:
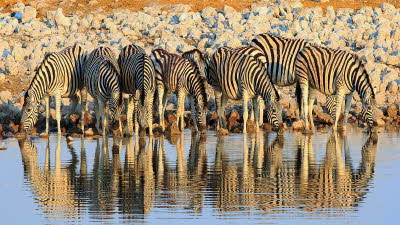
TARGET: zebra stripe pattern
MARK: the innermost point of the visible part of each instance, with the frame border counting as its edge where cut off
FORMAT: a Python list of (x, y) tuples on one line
[(240, 76), (279, 56), (101, 81), (175, 74), (138, 80), (333, 72), (59, 75)]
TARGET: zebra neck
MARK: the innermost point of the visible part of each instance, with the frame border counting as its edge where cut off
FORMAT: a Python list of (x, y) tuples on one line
[(362, 85)]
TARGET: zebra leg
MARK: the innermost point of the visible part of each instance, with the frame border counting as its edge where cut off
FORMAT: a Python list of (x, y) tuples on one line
[(97, 105), (304, 105), (245, 111), (83, 108), (161, 106), (58, 111), (218, 104), (311, 99), (136, 116), (47, 100), (193, 113), (261, 107), (256, 110), (104, 116), (150, 115), (129, 115), (224, 102), (181, 109), (349, 97), (339, 103)]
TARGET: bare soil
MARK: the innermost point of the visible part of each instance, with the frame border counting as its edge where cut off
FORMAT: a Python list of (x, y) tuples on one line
[(81, 7)]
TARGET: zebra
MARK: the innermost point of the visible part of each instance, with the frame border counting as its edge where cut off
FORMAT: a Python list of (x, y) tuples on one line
[(333, 72), (61, 75), (175, 74), (101, 81), (137, 78), (202, 61), (240, 76), (279, 58)]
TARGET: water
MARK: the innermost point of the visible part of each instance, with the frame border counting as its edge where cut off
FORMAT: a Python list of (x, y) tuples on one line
[(239, 179)]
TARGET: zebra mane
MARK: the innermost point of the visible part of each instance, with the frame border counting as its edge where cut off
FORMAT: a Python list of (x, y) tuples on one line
[(192, 52), (364, 71), (46, 57)]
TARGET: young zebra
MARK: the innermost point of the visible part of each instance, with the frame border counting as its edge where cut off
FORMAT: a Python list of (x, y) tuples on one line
[(138, 80), (101, 81), (59, 75), (175, 74), (333, 72), (240, 76)]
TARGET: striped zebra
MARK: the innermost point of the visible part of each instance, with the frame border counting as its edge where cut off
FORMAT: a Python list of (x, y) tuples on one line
[(240, 76), (137, 79), (101, 81), (60, 75), (202, 61), (175, 74), (333, 72)]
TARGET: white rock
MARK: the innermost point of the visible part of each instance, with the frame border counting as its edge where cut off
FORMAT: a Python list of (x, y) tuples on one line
[(18, 53), (29, 13), (5, 96), (19, 7), (208, 12), (60, 20)]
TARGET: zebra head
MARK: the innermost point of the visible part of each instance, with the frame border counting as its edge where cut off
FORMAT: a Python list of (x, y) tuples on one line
[(274, 111), (196, 57), (29, 113), (201, 105), (116, 106), (368, 112)]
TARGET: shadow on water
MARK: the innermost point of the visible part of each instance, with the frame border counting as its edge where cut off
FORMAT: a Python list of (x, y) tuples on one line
[(130, 179)]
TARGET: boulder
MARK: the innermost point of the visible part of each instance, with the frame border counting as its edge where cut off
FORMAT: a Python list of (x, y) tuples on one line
[(60, 20), (29, 14)]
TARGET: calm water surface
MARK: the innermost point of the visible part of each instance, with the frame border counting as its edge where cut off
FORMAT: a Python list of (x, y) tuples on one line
[(239, 179)]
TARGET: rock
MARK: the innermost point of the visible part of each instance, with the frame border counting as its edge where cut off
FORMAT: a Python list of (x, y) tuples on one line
[(298, 125), (380, 122), (223, 132), (29, 14), (19, 7), (89, 132), (392, 111), (60, 20), (392, 87), (5, 96), (18, 53), (43, 135), (208, 12)]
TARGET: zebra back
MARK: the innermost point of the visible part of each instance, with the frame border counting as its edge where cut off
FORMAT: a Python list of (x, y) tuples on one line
[(280, 55)]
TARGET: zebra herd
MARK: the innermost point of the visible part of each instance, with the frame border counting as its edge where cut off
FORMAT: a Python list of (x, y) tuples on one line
[(252, 72)]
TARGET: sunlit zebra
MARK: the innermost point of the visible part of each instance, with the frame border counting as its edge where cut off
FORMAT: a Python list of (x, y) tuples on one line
[(101, 81), (175, 74), (333, 72), (59, 75), (239, 76), (137, 79)]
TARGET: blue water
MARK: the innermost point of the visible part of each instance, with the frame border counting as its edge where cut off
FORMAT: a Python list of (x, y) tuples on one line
[(238, 179)]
